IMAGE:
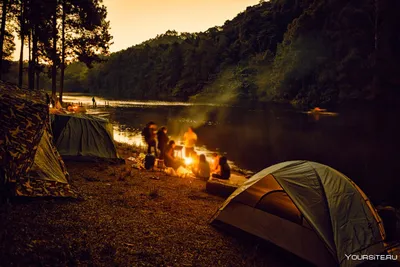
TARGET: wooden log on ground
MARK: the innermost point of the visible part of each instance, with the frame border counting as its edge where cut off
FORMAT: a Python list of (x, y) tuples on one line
[(224, 188), (219, 189)]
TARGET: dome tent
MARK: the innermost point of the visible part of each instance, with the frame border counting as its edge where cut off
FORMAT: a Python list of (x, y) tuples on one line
[(309, 209), (84, 137), (29, 162)]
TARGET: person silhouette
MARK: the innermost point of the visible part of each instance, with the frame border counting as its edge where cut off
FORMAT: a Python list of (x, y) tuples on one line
[(190, 139)]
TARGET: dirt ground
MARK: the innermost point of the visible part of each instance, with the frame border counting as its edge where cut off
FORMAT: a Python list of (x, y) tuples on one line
[(127, 218)]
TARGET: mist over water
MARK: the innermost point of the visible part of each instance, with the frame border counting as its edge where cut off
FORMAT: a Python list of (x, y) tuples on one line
[(361, 143)]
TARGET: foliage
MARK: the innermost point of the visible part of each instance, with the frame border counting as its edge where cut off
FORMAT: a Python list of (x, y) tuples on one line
[(329, 53), (181, 65), (57, 32), (306, 52)]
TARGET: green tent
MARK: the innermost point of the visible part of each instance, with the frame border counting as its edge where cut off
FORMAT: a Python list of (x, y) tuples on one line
[(29, 162), (84, 137), (308, 209)]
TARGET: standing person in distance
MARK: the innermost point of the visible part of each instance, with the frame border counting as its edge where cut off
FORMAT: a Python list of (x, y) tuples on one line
[(190, 139)]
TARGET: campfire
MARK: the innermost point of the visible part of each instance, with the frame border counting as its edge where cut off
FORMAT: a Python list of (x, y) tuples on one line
[(180, 152), (185, 170), (188, 161)]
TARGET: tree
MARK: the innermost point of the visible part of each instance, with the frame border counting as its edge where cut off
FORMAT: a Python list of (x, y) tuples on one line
[(63, 48), (88, 33), (84, 35), (22, 39), (4, 10), (38, 14), (54, 54), (304, 51)]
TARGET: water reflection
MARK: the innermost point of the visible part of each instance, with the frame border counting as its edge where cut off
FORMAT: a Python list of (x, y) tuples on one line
[(128, 137)]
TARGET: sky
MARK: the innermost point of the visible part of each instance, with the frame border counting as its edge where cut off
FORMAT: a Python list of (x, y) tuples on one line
[(135, 21)]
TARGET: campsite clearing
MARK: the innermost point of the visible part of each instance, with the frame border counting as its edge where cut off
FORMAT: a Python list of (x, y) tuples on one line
[(127, 218)]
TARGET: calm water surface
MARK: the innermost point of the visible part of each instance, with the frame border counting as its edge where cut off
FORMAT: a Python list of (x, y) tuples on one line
[(361, 143)]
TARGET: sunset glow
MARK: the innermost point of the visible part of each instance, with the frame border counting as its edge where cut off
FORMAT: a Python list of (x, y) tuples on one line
[(134, 21)]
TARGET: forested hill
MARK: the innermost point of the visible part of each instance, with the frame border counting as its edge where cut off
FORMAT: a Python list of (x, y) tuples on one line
[(301, 51)]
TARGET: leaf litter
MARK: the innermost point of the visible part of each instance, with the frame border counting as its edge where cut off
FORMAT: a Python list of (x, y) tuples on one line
[(127, 218)]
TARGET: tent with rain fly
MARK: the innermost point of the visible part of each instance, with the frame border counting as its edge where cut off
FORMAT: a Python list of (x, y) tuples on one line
[(309, 209), (29, 162), (84, 137)]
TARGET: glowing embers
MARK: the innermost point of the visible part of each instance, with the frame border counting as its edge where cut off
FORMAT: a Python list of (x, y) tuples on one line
[(188, 163), (184, 172)]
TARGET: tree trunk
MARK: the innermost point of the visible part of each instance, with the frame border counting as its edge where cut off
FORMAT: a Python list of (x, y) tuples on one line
[(21, 64), (62, 52), (376, 2), (30, 64), (21, 55), (37, 74), (2, 33), (375, 78), (29, 46), (54, 54), (34, 54)]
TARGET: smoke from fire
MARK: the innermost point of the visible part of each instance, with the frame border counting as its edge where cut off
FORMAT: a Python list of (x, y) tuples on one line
[(221, 93)]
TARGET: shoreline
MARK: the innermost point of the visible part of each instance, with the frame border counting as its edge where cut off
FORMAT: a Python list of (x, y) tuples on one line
[(378, 102)]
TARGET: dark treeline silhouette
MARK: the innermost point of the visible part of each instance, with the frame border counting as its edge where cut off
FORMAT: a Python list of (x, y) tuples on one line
[(56, 32), (308, 52)]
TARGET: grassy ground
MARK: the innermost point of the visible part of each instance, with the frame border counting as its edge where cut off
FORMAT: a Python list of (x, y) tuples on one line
[(126, 218)]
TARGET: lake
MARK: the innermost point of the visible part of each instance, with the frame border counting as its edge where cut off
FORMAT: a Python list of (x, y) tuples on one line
[(359, 142)]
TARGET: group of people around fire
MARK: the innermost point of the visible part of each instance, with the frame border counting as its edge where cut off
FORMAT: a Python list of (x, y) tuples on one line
[(164, 148)]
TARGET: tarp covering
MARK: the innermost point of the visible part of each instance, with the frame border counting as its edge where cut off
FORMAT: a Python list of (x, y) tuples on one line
[(83, 137), (22, 117), (337, 210), (30, 163)]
